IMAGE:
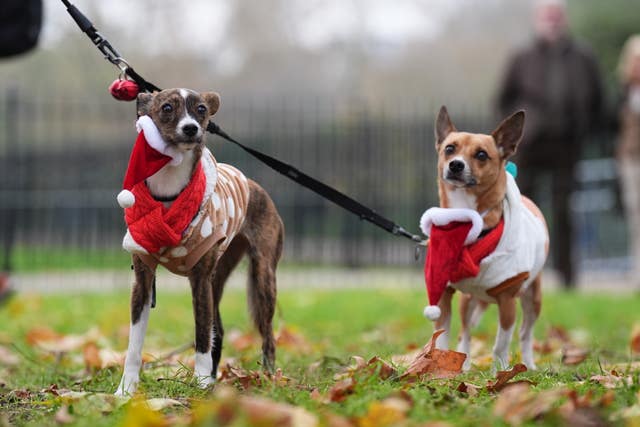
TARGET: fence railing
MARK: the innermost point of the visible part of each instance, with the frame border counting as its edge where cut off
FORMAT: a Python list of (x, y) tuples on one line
[(62, 161)]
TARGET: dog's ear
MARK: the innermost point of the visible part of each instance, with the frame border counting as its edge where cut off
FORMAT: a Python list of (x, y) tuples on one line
[(509, 133), (213, 101), (143, 103), (443, 126)]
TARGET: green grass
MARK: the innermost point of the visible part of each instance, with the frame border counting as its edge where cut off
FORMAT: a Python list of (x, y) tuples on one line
[(338, 324)]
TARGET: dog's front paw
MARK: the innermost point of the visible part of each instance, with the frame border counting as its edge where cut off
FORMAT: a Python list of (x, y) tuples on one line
[(500, 363), (204, 381), (530, 364), (466, 366), (128, 385)]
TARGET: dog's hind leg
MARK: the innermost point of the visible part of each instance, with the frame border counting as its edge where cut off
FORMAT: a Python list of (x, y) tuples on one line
[(265, 235), (225, 266), (202, 300), (531, 302), (140, 307)]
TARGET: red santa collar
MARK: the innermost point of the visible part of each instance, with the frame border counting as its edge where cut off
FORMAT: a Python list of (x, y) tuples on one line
[(152, 225), (454, 251)]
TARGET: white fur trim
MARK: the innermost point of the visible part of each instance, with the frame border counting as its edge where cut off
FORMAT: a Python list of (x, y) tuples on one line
[(126, 199), (154, 139), (432, 312), (130, 245), (443, 216)]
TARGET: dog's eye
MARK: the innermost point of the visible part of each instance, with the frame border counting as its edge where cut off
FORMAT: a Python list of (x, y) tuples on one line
[(482, 155), (449, 149), (201, 109), (167, 108)]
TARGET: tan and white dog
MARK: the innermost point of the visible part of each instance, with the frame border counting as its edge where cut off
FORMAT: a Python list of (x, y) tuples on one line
[(474, 185)]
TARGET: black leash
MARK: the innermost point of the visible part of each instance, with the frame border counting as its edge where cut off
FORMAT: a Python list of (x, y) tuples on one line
[(329, 193)]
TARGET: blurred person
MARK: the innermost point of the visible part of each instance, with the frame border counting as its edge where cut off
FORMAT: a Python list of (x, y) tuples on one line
[(556, 80), (20, 25), (628, 149)]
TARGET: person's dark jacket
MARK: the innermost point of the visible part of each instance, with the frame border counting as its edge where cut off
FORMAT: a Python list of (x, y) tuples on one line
[(576, 105)]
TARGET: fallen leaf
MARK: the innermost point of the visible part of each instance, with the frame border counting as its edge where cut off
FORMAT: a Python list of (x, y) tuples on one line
[(584, 410), (503, 378), (435, 363), (265, 412), (7, 357), (158, 404), (635, 338), (50, 341), (317, 396), (63, 416), (470, 389), (139, 414), (41, 334), (572, 355), (230, 408), (334, 420), (292, 340), (388, 412), (517, 404), (374, 365), (234, 375), (341, 390), (111, 358), (91, 356), (611, 380), (241, 341)]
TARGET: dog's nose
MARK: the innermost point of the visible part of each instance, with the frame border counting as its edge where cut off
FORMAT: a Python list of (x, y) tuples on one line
[(190, 130), (456, 166)]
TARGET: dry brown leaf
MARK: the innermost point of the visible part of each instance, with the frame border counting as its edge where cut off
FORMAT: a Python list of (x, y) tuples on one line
[(341, 390), (435, 363), (63, 416), (7, 357), (290, 339), (572, 355), (517, 404), (334, 420), (91, 356), (374, 365), (317, 396), (470, 389), (268, 413), (158, 403), (584, 410), (50, 341), (234, 375), (41, 334), (559, 333), (612, 380), (635, 338), (404, 360), (387, 412), (503, 378), (232, 408), (241, 341)]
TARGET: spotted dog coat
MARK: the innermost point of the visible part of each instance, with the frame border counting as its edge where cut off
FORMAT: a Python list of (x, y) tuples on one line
[(218, 220)]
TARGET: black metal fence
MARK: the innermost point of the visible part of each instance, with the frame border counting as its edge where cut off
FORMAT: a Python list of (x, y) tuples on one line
[(62, 161)]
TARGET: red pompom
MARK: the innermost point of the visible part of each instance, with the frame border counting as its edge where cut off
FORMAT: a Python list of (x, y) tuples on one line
[(124, 90)]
